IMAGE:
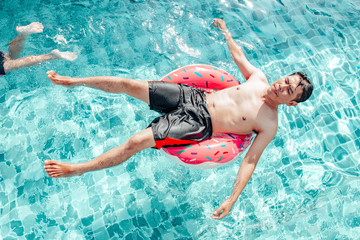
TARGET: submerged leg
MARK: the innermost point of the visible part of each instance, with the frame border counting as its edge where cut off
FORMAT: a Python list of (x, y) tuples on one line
[(16, 46), (11, 65), (113, 157), (135, 88)]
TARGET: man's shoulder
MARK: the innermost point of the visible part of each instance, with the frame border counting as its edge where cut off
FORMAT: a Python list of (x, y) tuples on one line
[(258, 77)]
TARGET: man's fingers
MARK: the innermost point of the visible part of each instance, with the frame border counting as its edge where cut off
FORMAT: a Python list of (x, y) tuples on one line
[(218, 210), (215, 23), (223, 214), (218, 217), (217, 213)]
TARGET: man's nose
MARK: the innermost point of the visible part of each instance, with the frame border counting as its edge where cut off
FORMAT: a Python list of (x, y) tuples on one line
[(282, 86)]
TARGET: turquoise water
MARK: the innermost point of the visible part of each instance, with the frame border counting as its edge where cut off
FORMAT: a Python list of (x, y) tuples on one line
[(306, 185)]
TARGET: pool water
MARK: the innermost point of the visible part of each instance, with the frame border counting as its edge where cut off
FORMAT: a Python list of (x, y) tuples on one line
[(306, 184)]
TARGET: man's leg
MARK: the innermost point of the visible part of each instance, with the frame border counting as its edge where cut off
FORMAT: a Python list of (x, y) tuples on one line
[(16, 46), (135, 88), (113, 157), (11, 65)]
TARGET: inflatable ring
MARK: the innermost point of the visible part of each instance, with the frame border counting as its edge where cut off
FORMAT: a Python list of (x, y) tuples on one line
[(219, 149)]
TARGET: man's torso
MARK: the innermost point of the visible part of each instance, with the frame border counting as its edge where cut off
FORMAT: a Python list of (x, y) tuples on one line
[(241, 110)]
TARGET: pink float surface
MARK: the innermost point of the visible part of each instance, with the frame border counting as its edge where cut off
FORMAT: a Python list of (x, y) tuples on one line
[(205, 77), (218, 149)]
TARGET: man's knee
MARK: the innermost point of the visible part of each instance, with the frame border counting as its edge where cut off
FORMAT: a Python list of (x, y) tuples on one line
[(136, 88), (9, 65), (140, 141), (135, 141), (131, 85)]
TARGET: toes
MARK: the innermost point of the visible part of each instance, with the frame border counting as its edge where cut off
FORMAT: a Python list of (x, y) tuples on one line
[(51, 168), (50, 162), (53, 174), (51, 72)]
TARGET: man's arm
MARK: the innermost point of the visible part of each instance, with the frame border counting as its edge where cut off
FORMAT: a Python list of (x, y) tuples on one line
[(246, 68), (247, 168)]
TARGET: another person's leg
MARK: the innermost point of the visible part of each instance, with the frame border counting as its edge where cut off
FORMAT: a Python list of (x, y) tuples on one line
[(113, 157), (16, 46), (12, 62), (12, 65), (135, 88)]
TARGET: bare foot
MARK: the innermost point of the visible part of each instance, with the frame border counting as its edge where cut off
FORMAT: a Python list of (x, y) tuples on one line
[(60, 80), (69, 56), (34, 27), (57, 169)]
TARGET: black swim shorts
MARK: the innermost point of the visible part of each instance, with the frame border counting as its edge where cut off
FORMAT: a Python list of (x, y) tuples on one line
[(2, 70), (186, 118)]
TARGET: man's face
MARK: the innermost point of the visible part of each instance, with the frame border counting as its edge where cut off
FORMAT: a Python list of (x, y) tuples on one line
[(285, 90)]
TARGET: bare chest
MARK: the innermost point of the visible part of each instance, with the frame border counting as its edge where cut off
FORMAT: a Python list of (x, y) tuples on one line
[(235, 110)]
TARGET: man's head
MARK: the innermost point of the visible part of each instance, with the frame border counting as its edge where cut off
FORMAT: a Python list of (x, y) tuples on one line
[(306, 86), (292, 89)]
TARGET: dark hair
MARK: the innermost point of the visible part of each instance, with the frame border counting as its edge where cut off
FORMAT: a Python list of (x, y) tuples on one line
[(306, 85)]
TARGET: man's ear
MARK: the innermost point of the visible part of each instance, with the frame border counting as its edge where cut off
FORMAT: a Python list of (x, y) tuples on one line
[(292, 103)]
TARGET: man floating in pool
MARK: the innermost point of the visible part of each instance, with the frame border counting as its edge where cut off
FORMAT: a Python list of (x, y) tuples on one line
[(11, 62), (250, 107)]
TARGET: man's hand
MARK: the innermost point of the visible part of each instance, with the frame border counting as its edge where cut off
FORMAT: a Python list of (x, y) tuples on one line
[(223, 210), (220, 24)]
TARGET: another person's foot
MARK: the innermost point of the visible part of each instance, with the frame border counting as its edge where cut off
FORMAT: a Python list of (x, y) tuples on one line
[(34, 27), (69, 56), (57, 169), (60, 80)]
